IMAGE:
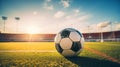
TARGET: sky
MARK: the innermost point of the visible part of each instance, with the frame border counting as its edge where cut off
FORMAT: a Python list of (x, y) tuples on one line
[(51, 16)]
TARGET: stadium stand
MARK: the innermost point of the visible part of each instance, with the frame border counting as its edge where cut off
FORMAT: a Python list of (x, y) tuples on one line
[(8, 37), (26, 37), (107, 36)]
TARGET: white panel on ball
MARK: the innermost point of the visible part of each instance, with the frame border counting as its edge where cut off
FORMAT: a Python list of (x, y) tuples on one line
[(68, 53), (74, 36), (66, 43), (57, 38)]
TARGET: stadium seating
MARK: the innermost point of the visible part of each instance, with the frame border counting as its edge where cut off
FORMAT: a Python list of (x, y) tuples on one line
[(107, 36)]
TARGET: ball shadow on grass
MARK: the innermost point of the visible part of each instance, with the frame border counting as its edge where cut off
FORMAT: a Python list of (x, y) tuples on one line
[(91, 62)]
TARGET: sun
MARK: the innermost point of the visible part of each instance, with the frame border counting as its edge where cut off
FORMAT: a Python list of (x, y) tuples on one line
[(32, 30)]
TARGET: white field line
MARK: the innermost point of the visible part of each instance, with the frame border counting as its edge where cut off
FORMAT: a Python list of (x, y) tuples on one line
[(28, 51), (112, 44), (103, 55)]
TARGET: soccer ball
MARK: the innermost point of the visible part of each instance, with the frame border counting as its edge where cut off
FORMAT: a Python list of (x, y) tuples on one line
[(69, 42)]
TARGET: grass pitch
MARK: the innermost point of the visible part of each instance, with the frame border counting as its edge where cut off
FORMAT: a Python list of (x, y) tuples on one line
[(54, 59)]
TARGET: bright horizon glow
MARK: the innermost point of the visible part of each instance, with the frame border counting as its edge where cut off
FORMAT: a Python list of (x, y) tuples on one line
[(32, 30)]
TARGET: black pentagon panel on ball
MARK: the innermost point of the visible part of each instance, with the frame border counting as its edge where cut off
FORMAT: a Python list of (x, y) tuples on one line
[(76, 46), (79, 33), (58, 47), (65, 33)]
